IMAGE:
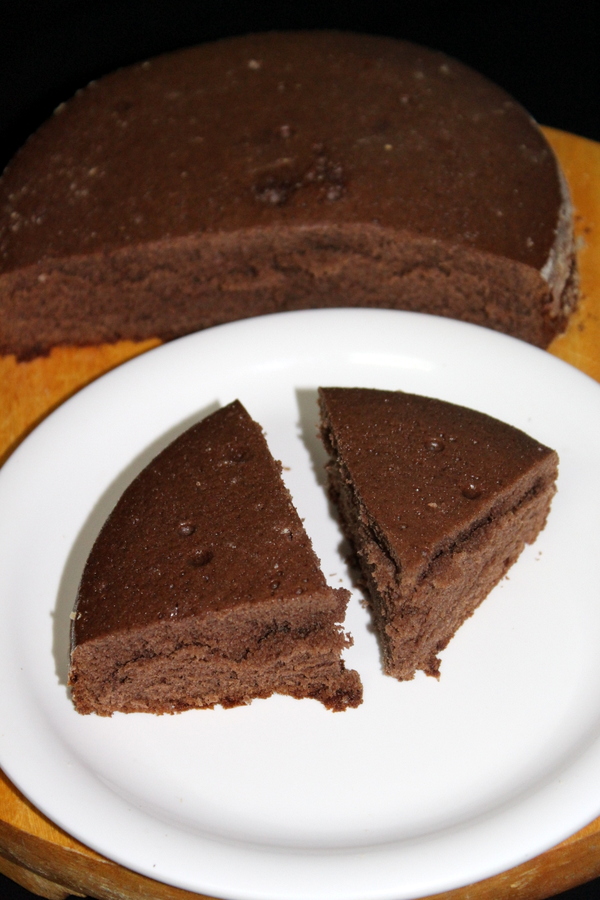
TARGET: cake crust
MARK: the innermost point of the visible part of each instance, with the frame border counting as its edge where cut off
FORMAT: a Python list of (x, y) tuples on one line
[(437, 501), (203, 587), (233, 179)]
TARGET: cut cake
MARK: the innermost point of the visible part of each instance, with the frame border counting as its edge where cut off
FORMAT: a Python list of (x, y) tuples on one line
[(437, 502), (203, 588), (282, 171)]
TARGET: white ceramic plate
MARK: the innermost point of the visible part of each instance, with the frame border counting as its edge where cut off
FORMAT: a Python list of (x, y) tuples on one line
[(428, 785)]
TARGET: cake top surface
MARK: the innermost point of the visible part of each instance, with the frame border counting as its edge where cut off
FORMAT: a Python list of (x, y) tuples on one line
[(427, 471), (208, 524), (283, 129)]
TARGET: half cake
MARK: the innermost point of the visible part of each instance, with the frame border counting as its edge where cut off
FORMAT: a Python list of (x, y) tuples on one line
[(282, 171), (437, 501), (202, 587)]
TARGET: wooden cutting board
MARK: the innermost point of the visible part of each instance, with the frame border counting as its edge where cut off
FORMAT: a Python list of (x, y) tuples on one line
[(46, 860)]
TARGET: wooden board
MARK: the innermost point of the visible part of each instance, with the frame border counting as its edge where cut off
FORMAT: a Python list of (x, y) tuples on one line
[(46, 860)]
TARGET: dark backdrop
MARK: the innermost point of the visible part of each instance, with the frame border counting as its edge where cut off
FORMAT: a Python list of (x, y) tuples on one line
[(544, 53)]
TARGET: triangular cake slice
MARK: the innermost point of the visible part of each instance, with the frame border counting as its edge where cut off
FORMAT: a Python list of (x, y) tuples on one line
[(437, 502), (203, 587)]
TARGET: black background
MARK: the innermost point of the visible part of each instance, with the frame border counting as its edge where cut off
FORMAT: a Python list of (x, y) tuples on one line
[(544, 53)]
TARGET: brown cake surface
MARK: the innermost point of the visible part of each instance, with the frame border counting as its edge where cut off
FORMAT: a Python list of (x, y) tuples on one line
[(438, 502), (282, 171), (203, 588)]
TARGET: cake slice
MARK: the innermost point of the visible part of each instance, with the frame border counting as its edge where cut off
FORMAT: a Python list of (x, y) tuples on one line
[(437, 502), (203, 588)]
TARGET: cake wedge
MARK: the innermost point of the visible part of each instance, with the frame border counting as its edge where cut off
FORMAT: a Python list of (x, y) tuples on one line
[(203, 588), (437, 502)]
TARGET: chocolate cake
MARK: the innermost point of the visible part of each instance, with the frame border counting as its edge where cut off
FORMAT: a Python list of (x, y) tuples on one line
[(203, 588), (282, 171), (437, 502)]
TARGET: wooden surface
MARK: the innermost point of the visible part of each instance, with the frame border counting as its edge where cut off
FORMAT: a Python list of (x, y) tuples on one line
[(46, 860)]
